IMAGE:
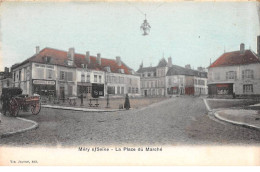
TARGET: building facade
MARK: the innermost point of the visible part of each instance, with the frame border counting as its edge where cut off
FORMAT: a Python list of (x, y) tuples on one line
[(235, 73), (168, 79), (66, 73)]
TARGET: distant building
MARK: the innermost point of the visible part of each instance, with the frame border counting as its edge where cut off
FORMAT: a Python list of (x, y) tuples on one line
[(5, 79), (235, 73), (66, 73), (168, 79)]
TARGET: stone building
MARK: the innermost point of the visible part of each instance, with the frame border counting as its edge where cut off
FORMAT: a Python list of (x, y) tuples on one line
[(66, 73), (168, 79), (235, 73)]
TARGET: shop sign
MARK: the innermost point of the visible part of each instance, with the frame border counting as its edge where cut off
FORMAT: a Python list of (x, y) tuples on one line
[(43, 82)]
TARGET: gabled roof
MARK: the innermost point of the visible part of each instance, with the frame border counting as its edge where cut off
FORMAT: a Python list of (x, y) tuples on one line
[(235, 58), (60, 57), (162, 63), (146, 69), (178, 70)]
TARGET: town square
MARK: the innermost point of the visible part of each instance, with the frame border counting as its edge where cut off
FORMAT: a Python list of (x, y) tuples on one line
[(166, 75)]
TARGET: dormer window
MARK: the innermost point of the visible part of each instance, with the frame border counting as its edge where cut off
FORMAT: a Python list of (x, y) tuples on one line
[(107, 69), (47, 59), (121, 70), (84, 66)]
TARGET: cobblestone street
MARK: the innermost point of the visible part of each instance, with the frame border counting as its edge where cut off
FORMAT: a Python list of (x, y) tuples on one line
[(176, 121)]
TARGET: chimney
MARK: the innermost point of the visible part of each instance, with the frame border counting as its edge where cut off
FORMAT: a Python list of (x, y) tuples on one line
[(37, 49), (187, 66), (118, 61), (6, 70), (71, 54), (169, 62), (242, 48), (258, 46), (99, 59), (87, 57)]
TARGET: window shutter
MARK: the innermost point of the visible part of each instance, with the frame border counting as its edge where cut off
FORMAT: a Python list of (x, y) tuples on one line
[(65, 76)]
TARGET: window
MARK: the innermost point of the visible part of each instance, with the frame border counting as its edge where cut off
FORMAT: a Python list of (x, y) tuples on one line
[(110, 90), (231, 75), (170, 81), (149, 74), (113, 79), (50, 67), (28, 74), (122, 90), (248, 88), (70, 90), (129, 89), (143, 74), (50, 74), (70, 76), (88, 78), (118, 90), (99, 78), (216, 76), (247, 74), (20, 75), (95, 78), (14, 76), (136, 90), (133, 90), (152, 84), (121, 80), (82, 77), (62, 75)]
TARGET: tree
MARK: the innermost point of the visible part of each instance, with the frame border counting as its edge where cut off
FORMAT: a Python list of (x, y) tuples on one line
[(127, 102)]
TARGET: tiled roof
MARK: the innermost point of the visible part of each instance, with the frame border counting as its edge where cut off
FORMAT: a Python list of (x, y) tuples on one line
[(235, 58), (59, 57), (178, 70), (146, 69)]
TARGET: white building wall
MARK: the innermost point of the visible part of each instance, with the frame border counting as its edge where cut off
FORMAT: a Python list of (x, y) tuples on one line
[(218, 75)]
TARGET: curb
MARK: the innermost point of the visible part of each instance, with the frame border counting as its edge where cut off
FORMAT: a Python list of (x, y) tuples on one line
[(35, 125), (82, 109), (236, 123), (207, 105)]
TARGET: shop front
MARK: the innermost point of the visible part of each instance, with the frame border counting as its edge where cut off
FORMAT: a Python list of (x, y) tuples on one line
[(173, 90), (221, 89), (84, 88), (44, 87), (97, 90)]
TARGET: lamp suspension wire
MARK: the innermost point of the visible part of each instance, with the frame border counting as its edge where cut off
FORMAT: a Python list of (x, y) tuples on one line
[(145, 26)]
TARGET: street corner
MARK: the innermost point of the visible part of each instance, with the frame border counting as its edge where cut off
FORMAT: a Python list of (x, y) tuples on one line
[(14, 125), (246, 118)]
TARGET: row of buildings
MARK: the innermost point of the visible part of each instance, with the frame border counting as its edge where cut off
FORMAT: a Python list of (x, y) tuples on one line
[(66, 73)]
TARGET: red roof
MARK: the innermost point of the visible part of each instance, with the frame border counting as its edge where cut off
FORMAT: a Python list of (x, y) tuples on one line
[(59, 57), (235, 58)]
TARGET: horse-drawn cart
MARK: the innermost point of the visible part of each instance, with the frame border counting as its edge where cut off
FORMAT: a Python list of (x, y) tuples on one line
[(18, 101)]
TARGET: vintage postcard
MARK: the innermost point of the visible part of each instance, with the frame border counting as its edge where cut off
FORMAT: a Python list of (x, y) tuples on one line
[(129, 83)]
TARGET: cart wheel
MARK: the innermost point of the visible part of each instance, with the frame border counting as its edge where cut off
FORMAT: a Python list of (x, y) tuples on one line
[(13, 107), (36, 108)]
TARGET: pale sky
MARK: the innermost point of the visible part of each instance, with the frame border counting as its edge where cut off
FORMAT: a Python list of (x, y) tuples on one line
[(189, 32)]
